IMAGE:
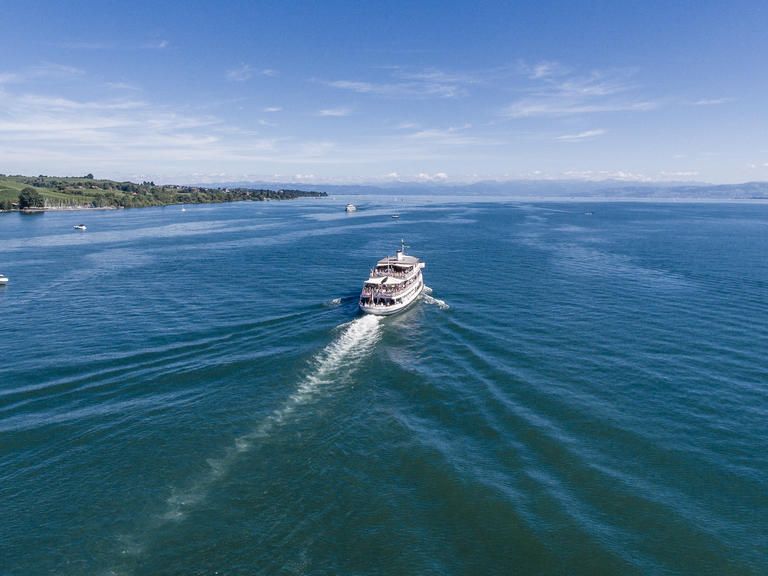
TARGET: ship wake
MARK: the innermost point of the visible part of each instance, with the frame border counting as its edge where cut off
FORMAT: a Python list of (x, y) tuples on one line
[(332, 367), (427, 297)]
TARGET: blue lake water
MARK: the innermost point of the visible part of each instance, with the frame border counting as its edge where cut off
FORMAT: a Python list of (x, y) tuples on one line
[(584, 392)]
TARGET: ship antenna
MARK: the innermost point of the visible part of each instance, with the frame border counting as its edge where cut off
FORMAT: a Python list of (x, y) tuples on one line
[(403, 246)]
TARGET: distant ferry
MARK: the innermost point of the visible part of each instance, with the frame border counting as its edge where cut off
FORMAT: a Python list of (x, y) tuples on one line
[(351, 208), (3, 280), (80, 227), (395, 283)]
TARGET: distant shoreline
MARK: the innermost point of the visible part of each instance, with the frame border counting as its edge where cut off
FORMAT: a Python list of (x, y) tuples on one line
[(183, 204), (42, 193), (449, 199), (90, 208), (64, 209)]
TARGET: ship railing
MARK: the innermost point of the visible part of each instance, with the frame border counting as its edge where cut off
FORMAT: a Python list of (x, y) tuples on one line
[(387, 291), (372, 304), (379, 273)]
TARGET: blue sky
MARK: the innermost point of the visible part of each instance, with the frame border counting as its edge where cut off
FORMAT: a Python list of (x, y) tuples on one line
[(366, 92)]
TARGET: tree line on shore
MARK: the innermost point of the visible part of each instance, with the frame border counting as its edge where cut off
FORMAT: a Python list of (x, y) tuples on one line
[(51, 192)]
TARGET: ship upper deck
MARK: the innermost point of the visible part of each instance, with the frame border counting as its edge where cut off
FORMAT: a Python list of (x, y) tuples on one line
[(403, 261), (384, 281)]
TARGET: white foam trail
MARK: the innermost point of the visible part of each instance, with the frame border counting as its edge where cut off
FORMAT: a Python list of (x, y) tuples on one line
[(333, 365), (442, 304), (354, 343)]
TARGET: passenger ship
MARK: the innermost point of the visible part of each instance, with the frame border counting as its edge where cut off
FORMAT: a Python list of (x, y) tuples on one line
[(395, 283)]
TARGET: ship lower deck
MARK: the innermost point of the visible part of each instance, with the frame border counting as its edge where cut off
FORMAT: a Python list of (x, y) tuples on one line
[(387, 308)]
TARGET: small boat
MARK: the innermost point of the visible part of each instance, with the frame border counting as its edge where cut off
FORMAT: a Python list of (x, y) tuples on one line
[(350, 208), (80, 227), (3, 280), (395, 216), (394, 284)]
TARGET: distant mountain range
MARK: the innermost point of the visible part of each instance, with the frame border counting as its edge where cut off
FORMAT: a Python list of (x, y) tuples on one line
[(608, 189)]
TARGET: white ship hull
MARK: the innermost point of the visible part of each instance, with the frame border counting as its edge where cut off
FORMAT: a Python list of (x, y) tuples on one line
[(381, 310)]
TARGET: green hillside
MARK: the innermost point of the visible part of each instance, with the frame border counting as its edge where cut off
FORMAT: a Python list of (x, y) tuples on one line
[(53, 192)]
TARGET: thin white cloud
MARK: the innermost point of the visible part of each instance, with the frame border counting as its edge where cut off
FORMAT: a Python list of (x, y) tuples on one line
[(543, 69), (595, 85), (680, 174), (436, 76), (403, 83), (122, 86), (400, 89), (590, 175), (572, 95), (335, 112), (157, 44), (53, 70), (581, 136), (246, 72), (451, 136), (436, 177), (272, 109), (355, 86), (8, 78), (46, 70), (80, 45), (241, 73), (712, 101), (528, 108), (60, 104)]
